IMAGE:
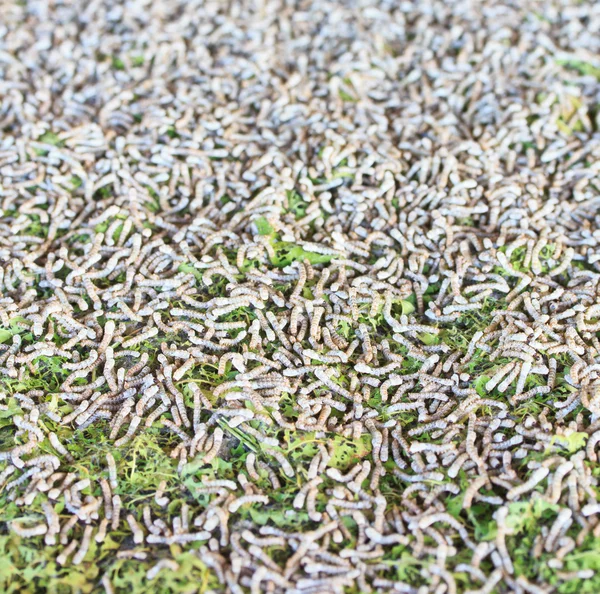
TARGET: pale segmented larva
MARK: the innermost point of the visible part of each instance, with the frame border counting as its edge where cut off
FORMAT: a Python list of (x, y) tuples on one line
[(66, 528), (84, 546), (311, 501), (227, 484), (53, 521), (156, 413), (497, 377), (101, 534), (116, 515), (470, 442), (138, 535), (160, 499), (178, 538), (302, 278), (61, 559), (140, 555), (112, 471), (556, 484), (217, 439), (240, 501), (264, 541), (536, 477), (250, 467), (162, 564), (283, 462), (37, 530), (135, 421), (106, 584), (501, 517), (561, 524)]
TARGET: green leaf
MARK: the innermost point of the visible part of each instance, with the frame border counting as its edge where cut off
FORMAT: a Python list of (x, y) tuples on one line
[(263, 226), (428, 338), (525, 515), (190, 269), (572, 442), (582, 67), (454, 505), (407, 307), (347, 452), (296, 204), (118, 64), (479, 384), (286, 253), (346, 96), (50, 138)]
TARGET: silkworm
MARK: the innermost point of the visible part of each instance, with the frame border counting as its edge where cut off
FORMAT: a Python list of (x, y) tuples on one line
[(59, 447), (84, 545), (106, 584), (138, 535), (562, 522), (101, 534), (235, 505), (112, 471), (536, 477), (162, 564), (61, 559), (53, 521), (37, 530), (116, 514)]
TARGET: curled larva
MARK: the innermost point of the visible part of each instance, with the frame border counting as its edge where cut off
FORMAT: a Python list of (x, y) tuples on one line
[(84, 545), (61, 559), (217, 440), (162, 564), (283, 461), (240, 501), (36, 530), (561, 524), (138, 534), (53, 521), (472, 490), (536, 477), (159, 497), (59, 447), (106, 584)]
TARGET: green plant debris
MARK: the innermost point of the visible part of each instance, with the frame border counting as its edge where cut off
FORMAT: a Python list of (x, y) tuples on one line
[(584, 68), (299, 299)]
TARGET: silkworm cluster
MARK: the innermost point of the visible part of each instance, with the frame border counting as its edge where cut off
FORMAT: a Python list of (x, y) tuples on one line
[(338, 262)]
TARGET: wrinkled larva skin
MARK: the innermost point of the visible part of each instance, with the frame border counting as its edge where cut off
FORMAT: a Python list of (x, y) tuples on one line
[(338, 261)]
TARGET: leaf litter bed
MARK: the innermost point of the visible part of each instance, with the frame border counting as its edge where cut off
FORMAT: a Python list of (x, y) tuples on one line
[(299, 297)]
